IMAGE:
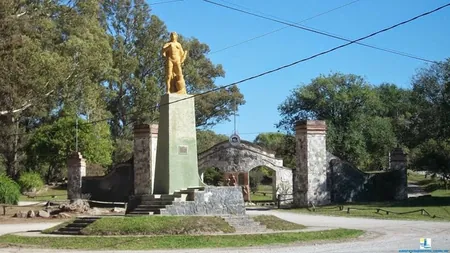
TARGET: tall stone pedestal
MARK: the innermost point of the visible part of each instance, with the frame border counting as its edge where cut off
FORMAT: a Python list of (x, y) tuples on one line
[(176, 156)]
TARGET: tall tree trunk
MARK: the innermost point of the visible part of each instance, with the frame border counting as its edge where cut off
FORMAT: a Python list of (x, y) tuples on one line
[(11, 147)]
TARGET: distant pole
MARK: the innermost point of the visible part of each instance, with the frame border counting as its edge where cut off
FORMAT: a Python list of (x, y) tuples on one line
[(235, 109)]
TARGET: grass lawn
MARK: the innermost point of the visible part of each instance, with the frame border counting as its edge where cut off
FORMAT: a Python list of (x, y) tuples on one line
[(158, 225), (52, 193), (264, 193), (437, 205), (431, 185), (174, 242), (275, 223)]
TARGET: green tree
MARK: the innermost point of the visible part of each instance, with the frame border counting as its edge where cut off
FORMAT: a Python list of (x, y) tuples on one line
[(9, 190), (53, 57), (206, 139), (51, 145), (434, 156), (347, 103), (399, 109), (282, 144), (431, 94), (430, 124), (213, 176), (134, 91), (29, 71)]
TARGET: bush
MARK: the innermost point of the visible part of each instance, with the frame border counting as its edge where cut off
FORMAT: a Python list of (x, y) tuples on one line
[(213, 176), (9, 190), (30, 182)]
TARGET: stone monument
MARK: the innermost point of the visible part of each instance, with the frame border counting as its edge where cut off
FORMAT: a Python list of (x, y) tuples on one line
[(177, 187), (176, 156)]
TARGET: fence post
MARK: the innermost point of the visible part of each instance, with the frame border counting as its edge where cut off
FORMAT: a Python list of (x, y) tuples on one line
[(279, 201)]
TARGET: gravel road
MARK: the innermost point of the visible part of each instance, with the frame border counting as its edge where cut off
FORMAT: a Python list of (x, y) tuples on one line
[(384, 236)]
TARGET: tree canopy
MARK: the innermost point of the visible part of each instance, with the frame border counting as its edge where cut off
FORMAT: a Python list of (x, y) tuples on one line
[(365, 121), (98, 61)]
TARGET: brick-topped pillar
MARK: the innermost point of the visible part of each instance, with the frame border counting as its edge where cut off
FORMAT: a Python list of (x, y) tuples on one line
[(397, 162), (142, 160), (309, 178), (76, 170)]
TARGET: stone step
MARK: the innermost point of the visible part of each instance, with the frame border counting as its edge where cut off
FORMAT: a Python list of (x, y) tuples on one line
[(70, 229), (68, 233), (156, 202), (84, 221), (146, 212), (151, 206), (78, 225), (155, 209), (159, 196)]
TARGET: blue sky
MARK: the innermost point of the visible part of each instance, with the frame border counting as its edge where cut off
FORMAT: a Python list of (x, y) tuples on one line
[(428, 37)]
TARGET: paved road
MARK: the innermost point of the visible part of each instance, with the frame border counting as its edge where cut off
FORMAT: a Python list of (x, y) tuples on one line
[(385, 236), (13, 228)]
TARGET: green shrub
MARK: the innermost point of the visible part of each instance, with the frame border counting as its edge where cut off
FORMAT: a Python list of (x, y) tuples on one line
[(9, 190), (30, 182)]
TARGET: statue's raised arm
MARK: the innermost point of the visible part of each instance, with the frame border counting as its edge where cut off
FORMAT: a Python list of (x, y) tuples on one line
[(174, 55)]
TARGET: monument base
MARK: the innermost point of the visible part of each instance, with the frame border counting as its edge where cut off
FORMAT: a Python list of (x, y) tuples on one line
[(176, 156), (209, 200)]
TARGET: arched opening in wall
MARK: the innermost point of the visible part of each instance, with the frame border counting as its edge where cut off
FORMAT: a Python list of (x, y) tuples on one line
[(212, 176), (262, 181)]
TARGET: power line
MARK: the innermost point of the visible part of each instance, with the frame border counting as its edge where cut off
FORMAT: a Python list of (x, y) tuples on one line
[(310, 57), (310, 29), (293, 63), (284, 27)]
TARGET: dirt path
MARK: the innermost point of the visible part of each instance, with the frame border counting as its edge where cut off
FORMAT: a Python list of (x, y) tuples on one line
[(384, 236)]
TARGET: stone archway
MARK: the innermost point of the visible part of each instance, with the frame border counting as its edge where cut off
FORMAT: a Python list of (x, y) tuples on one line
[(240, 159)]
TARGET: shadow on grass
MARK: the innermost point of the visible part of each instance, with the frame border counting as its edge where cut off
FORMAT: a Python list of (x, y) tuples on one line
[(423, 201)]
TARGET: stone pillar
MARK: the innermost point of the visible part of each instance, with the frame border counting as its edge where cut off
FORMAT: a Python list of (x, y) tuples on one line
[(142, 160), (309, 177), (398, 162), (76, 170)]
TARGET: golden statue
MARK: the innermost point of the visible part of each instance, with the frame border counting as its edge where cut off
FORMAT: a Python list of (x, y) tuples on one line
[(175, 56)]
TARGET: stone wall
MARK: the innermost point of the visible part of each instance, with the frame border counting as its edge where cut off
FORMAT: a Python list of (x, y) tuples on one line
[(224, 200), (283, 184), (116, 186), (349, 184)]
